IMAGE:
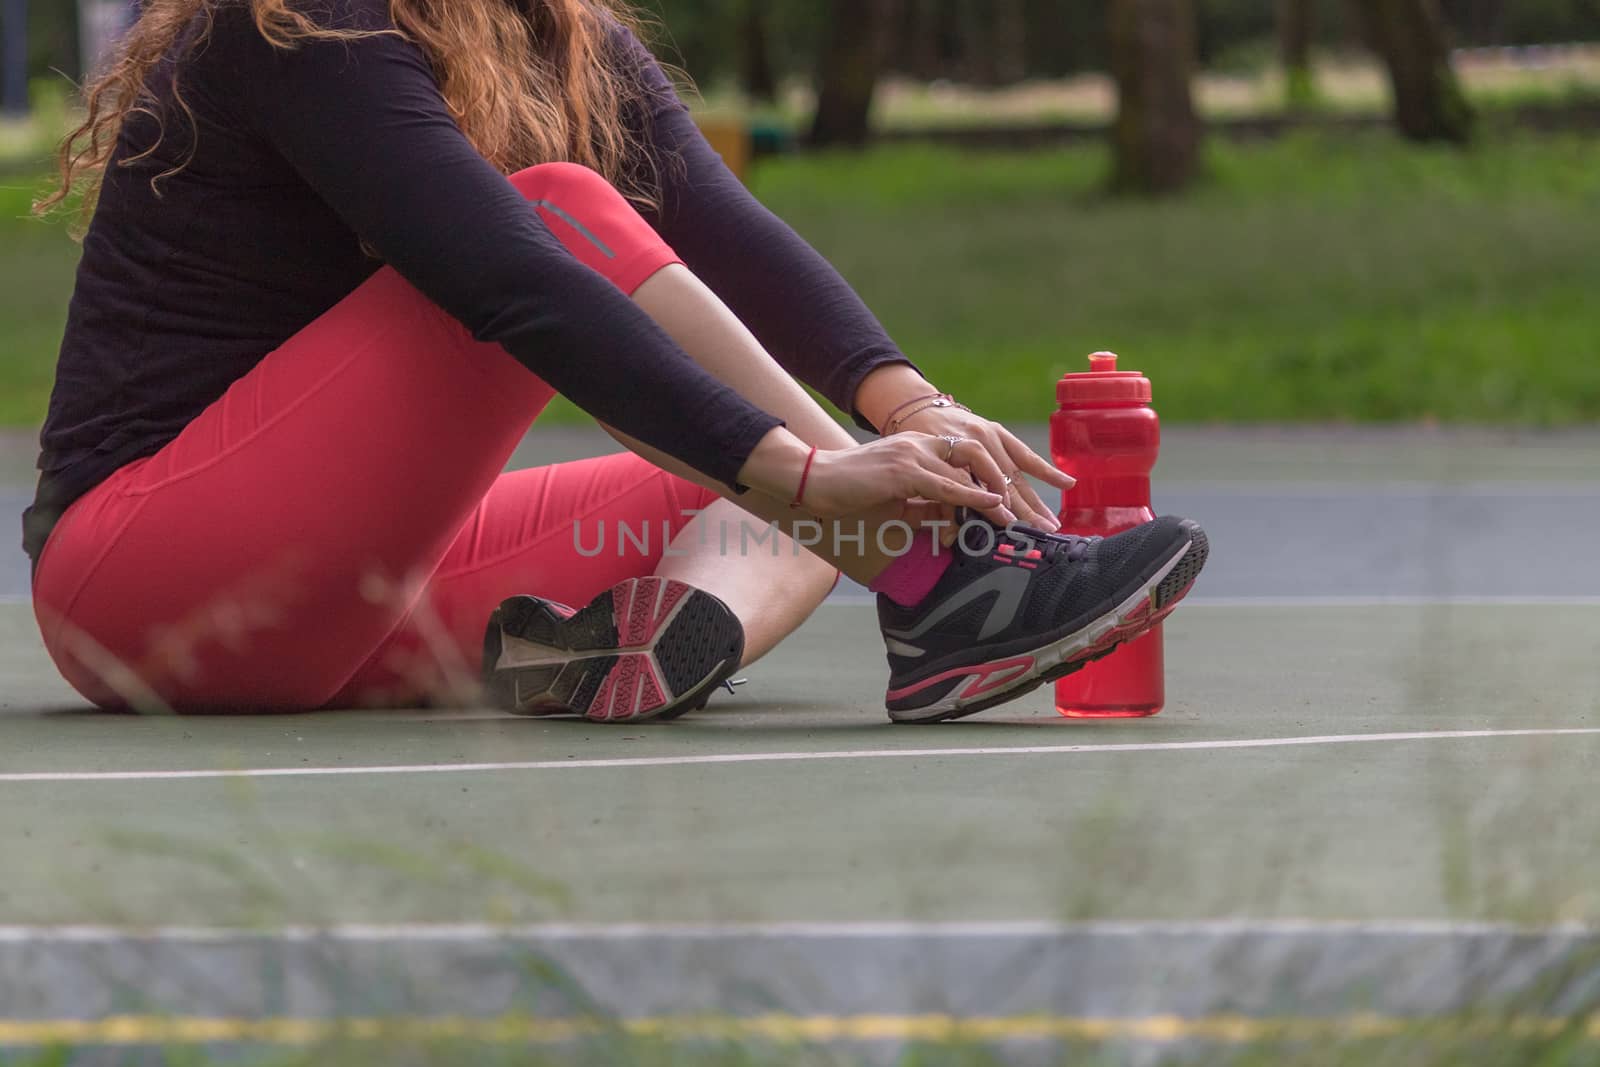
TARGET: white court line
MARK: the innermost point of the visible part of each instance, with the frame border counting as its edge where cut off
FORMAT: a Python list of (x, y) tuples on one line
[(780, 757), (428, 933)]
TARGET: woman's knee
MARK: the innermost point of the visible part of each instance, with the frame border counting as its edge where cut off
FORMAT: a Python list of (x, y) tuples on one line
[(545, 180), (595, 222)]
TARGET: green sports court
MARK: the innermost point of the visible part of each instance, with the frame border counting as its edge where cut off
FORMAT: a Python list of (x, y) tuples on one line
[(1366, 808)]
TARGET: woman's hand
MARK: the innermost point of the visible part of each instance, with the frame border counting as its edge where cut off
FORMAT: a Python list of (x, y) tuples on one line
[(889, 471), (896, 387), (905, 467), (1007, 456)]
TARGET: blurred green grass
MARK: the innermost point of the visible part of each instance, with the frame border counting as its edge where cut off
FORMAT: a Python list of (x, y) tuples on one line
[(1339, 277), (1315, 278), (37, 260), (1484, 1041)]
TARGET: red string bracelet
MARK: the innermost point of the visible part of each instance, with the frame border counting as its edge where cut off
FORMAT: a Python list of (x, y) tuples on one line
[(799, 494)]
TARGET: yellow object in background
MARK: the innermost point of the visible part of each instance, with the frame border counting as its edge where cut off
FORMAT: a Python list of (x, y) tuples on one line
[(731, 139)]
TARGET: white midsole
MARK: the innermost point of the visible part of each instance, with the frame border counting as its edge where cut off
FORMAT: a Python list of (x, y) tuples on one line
[(1054, 654)]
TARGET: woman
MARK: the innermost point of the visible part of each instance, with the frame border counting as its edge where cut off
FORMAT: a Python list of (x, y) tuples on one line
[(342, 254)]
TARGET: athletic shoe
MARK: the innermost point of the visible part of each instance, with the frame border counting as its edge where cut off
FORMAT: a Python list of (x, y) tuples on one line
[(648, 648), (1017, 608)]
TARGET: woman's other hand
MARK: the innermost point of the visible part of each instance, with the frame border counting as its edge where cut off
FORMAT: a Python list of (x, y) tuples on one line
[(888, 471), (1007, 455), (895, 398)]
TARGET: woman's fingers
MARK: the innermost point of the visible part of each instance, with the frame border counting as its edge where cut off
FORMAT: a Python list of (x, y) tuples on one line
[(1001, 470), (970, 457), (1027, 461), (934, 486), (973, 455), (1030, 462), (1020, 495), (960, 460), (1042, 516)]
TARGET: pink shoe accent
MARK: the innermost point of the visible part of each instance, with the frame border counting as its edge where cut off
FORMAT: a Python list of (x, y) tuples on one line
[(911, 577), (984, 674), (600, 706), (652, 693), (640, 607), (626, 696), (996, 675), (633, 625), (632, 688), (619, 694), (666, 601)]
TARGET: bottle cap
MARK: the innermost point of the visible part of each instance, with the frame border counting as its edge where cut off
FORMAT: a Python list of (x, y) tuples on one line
[(1103, 384)]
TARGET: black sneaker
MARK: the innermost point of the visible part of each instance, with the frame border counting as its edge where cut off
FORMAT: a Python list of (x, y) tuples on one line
[(1020, 607), (647, 648)]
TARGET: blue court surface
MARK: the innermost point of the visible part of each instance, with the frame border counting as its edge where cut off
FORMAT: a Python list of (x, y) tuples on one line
[(1367, 811)]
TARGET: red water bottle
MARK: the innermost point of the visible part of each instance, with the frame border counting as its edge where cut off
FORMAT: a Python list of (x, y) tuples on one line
[(1106, 435)]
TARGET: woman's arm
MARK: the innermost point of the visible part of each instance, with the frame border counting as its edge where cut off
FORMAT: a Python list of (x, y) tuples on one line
[(793, 300), (790, 297), (363, 123)]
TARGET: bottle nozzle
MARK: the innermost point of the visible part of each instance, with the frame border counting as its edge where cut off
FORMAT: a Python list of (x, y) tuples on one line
[(1103, 384)]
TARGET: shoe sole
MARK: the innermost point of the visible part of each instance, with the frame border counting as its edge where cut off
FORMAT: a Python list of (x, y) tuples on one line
[(648, 648), (995, 682)]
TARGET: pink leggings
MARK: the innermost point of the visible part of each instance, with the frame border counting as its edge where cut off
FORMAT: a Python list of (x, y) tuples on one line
[(335, 529)]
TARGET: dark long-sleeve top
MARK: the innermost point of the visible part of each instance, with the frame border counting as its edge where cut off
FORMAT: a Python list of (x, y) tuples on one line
[(302, 163)]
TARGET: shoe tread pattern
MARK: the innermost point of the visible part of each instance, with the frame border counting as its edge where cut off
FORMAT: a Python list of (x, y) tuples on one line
[(655, 664)]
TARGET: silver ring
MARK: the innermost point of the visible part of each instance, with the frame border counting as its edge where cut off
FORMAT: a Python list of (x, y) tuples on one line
[(952, 440), (1011, 477)]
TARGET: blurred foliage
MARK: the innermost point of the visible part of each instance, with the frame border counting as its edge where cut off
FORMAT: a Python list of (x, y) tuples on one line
[(703, 35), (53, 39), (1320, 277), (953, 38), (1068, 36)]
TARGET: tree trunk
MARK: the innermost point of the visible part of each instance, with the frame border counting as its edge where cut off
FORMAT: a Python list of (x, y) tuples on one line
[(1009, 37), (917, 48), (1296, 28), (975, 42), (1409, 36), (1480, 21), (1156, 138), (848, 72), (755, 67), (991, 38), (14, 58)]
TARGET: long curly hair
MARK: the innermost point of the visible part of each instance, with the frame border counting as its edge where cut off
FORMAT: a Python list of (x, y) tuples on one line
[(528, 81)]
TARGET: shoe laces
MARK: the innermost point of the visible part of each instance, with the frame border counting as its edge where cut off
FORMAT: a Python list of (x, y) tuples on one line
[(1070, 547), (1052, 548)]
